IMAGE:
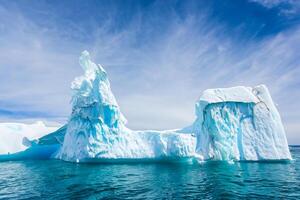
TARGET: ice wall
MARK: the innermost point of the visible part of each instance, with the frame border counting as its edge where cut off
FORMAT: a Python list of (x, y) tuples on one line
[(239, 123)]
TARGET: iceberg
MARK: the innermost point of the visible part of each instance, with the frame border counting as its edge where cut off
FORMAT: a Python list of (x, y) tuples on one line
[(232, 124), (239, 123)]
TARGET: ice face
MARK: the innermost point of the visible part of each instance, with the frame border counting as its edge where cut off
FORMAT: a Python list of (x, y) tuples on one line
[(239, 124)]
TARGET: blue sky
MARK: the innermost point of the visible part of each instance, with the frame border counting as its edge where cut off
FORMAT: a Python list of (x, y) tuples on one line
[(159, 55)]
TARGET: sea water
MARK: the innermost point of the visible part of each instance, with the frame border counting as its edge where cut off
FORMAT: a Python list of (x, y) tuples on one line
[(54, 179)]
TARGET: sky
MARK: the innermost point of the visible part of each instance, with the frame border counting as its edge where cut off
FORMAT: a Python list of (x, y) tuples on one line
[(159, 55)]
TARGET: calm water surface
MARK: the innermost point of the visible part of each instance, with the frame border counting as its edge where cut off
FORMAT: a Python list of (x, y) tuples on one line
[(213, 180)]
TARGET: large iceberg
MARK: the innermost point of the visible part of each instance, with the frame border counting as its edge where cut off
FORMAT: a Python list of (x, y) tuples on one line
[(238, 123), (232, 124)]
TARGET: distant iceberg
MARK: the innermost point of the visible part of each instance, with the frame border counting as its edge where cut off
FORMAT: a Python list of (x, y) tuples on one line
[(16, 138), (232, 124)]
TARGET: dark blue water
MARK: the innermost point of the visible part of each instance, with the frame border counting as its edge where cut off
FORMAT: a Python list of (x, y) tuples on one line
[(53, 179)]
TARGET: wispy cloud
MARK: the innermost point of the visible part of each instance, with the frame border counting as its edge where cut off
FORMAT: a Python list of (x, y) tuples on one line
[(286, 7), (33, 69), (158, 67)]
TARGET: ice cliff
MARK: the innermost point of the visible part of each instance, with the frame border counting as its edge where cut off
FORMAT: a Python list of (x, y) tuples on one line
[(232, 124)]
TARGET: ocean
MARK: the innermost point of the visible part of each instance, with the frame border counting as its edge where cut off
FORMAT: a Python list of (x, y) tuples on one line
[(54, 179)]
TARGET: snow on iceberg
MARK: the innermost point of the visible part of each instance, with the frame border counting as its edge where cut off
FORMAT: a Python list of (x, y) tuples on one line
[(239, 123), (96, 129)]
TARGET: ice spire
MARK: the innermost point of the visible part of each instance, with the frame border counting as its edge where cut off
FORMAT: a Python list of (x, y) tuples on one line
[(95, 112)]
